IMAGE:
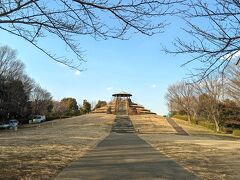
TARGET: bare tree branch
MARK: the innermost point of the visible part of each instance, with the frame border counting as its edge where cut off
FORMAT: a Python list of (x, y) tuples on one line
[(66, 19), (213, 27)]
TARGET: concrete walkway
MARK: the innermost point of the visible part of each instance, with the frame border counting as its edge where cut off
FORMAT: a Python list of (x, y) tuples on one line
[(124, 156)]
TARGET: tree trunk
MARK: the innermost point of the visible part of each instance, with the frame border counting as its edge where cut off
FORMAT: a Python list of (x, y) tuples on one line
[(217, 127), (189, 118), (195, 117)]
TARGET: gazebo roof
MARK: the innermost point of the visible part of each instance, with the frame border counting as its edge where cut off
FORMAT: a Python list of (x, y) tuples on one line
[(122, 94)]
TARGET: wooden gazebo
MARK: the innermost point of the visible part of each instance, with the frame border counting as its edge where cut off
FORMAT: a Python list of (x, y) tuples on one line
[(122, 104)]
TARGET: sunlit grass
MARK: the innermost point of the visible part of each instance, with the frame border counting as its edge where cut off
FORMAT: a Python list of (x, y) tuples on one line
[(41, 151)]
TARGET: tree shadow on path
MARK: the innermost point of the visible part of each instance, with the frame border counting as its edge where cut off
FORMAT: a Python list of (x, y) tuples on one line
[(178, 129)]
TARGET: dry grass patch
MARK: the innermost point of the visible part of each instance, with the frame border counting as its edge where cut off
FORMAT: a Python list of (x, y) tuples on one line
[(193, 128), (151, 124), (41, 151), (208, 158), (205, 153)]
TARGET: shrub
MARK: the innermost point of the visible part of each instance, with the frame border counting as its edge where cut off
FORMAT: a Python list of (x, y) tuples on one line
[(100, 104), (52, 117), (182, 117), (207, 124), (226, 130), (236, 132), (201, 122)]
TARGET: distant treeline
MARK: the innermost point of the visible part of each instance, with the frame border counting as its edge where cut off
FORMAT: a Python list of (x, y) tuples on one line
[(22, 98), (213, 101)]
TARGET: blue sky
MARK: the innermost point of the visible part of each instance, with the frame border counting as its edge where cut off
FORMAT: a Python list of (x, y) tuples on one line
[(137, 66)]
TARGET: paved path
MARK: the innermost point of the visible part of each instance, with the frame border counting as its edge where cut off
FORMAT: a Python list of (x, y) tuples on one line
[(178, 129), (124, 156)]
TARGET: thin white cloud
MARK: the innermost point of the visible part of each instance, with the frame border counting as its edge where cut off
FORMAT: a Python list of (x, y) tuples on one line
[(77, 73), (154, 86), (109, 88), (232, 56)]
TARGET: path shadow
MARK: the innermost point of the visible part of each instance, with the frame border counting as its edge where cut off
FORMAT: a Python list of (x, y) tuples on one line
[(178, 129), (124, 156)]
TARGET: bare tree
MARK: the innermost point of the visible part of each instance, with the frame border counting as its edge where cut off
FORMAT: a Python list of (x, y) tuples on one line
[(16, 87), (41, 100), (181, 96), (28, 84), (233, 82), (12, 93), (59, 108), (211, 88), (66, 19), (10, 66), (213, 27), (214, 100)]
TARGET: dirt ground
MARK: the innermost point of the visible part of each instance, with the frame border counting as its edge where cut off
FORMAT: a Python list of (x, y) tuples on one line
[(203, 152), (41, 151)]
